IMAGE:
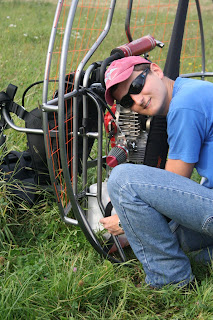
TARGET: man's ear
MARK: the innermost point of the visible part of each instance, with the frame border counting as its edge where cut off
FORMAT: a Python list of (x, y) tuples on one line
[(157, 70)]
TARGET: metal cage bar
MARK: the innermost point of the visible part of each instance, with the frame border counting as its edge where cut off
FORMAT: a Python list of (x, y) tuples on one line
[(70, 171)]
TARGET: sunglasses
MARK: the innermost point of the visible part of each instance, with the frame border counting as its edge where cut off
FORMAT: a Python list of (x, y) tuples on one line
[(135, 88)]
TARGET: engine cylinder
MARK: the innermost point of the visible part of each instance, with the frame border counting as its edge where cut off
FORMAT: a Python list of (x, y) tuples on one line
[(129, 140)]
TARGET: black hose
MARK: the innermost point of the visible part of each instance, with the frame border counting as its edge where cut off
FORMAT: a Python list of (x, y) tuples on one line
[(104, 65)]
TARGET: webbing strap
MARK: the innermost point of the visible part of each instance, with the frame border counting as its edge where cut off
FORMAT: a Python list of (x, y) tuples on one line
[(11, 91), (6, 100), (18, 110)]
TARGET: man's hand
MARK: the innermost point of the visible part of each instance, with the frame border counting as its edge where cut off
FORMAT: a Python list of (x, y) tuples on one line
[(111, 224)]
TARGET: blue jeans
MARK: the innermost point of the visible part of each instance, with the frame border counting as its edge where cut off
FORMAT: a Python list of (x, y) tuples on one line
[(143, 197)]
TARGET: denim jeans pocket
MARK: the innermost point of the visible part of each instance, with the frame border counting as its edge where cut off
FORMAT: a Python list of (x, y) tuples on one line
[(208, 226)]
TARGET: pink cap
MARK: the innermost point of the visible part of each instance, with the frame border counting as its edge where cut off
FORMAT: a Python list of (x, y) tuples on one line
[(119, 71)]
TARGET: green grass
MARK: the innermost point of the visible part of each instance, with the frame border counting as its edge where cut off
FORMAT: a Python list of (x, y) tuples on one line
[(48, 270)]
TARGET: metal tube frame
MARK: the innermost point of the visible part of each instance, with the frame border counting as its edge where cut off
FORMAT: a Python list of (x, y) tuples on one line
[(57, 105), (72, 187), (52, 106), (203, 73)]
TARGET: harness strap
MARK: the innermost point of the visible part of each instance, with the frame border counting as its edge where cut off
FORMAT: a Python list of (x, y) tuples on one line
[(18, 110), (108, 209), (6, 100), (110, 242), (11, 91)]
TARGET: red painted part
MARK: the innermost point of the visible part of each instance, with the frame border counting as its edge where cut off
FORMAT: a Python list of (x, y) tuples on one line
[(112, 161)]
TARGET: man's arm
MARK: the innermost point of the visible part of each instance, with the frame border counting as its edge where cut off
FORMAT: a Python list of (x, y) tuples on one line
[(180, 167)]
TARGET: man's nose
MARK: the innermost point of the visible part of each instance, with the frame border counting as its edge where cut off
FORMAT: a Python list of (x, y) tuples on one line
[(137, 98)]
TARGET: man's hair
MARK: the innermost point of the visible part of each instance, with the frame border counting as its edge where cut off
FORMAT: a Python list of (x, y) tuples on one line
[(141, 66), (137, 67)]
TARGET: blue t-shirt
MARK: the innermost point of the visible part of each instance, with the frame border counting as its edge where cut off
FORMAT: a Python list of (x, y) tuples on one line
[(190, 125)]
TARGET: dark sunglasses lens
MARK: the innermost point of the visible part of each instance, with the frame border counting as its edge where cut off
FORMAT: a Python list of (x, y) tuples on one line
[(135, 88), (126, 102), (137, 85)]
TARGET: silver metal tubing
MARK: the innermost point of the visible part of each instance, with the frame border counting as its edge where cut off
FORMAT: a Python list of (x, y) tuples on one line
[(96, 44), (86, 227), (50, 50), (76, 86), (72, 190), (85, 116), (99, 173), (20, 129), (70, 221), (63, 211), (99, 157), (62, 73), (127, 21), (51, 105), (201, 35), (197, 74), (92, 134)]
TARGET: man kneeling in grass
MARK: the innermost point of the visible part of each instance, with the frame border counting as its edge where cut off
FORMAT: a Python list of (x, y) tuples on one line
[(145, 197)]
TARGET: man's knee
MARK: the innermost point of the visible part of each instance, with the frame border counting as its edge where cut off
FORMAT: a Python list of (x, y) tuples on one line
[(115, 180), (128, 173)]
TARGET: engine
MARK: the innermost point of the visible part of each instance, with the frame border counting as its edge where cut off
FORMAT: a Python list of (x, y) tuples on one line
[(128, 134)]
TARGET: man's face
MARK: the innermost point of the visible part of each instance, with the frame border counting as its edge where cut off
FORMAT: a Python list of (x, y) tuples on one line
[(153, 99)]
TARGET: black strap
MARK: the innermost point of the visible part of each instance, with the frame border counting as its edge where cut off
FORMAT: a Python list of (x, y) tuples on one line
[(108, 209), (109, 243), (157, 146), (172, 64), (18, 110), (11, 91), (6, 100), (19, 157)]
